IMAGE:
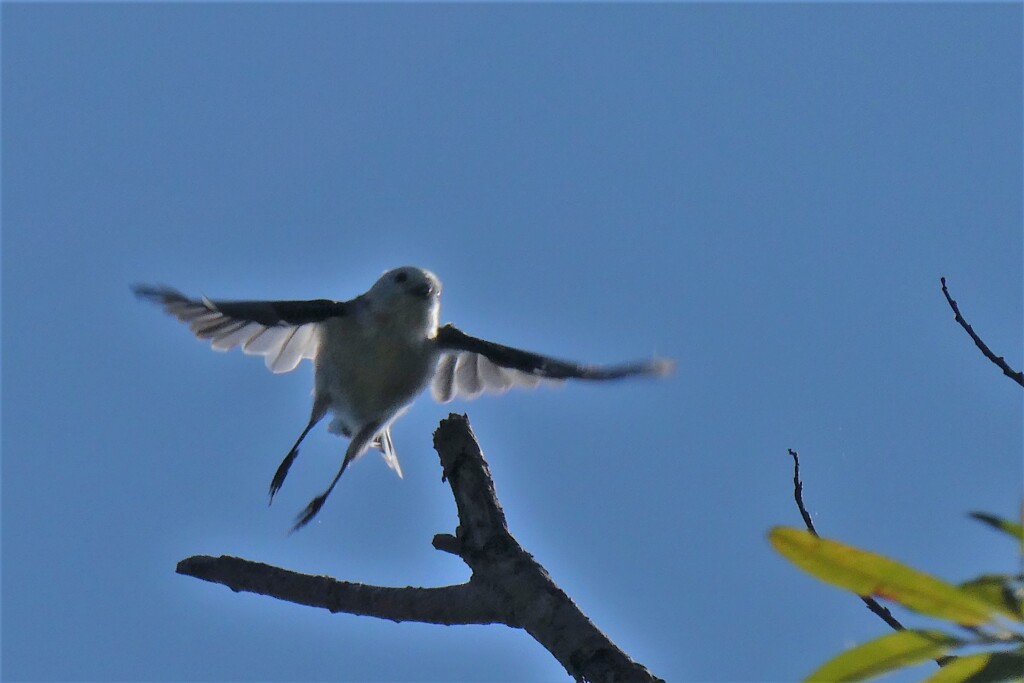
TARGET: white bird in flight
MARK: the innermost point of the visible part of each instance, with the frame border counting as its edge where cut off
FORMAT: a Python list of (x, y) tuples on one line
[(372, 356)]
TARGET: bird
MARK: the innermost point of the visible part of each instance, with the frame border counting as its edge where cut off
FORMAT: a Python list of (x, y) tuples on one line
[(372, 356)]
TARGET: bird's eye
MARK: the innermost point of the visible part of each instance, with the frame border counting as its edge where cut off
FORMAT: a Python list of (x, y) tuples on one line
[(401, 277)]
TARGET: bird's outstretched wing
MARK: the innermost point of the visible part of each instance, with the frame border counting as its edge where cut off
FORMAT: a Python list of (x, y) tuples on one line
[(284, 332), (470, 366)]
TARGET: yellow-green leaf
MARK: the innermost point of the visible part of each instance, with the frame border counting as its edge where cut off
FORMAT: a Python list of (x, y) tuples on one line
[(881, 655), (997, 590), (986, 667), (1004, 525), (868, 573)]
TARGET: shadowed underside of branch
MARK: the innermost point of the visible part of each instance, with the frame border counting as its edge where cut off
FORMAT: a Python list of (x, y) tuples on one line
[(507, 585)]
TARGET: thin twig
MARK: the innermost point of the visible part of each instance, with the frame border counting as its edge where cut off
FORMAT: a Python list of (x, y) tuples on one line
[(798, 493), (998, 360)]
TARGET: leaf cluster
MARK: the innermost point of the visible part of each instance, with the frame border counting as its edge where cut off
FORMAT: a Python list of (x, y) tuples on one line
[(985, 615)]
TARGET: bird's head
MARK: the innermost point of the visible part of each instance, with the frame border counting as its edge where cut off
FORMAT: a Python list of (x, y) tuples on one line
[(412, 293), (407, 281)]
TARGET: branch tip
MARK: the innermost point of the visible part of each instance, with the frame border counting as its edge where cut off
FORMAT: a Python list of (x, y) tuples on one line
[(999, 361), (447, 543)]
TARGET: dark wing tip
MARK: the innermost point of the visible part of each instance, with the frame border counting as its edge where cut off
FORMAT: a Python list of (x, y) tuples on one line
[(157, 293), (655, 367)]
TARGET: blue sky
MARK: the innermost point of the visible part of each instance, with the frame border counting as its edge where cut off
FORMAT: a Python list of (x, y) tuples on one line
[(766, 193)]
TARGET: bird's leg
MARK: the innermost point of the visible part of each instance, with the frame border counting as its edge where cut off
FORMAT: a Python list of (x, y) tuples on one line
[(282, 469), (360, 442)]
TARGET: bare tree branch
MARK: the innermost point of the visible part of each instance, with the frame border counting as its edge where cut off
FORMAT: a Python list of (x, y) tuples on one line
[(507, 585), (998, 360), (449, 605)]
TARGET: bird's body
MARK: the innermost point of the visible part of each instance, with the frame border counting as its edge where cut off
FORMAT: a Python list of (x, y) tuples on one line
[(377, 360), (364, 375), (372, 356)]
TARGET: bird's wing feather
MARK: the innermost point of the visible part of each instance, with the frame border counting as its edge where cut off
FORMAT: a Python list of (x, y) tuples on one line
[(284, 332), (469, 366)]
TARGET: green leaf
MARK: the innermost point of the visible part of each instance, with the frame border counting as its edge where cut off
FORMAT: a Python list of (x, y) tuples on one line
[(986, 667), (868, 573), (1004, 525), (881, 655), (997, 590)]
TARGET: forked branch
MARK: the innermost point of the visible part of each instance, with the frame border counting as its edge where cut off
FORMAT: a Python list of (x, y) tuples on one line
[(507, 585)]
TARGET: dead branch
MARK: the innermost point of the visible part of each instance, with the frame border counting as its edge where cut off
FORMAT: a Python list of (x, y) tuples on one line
[(507, 585)]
